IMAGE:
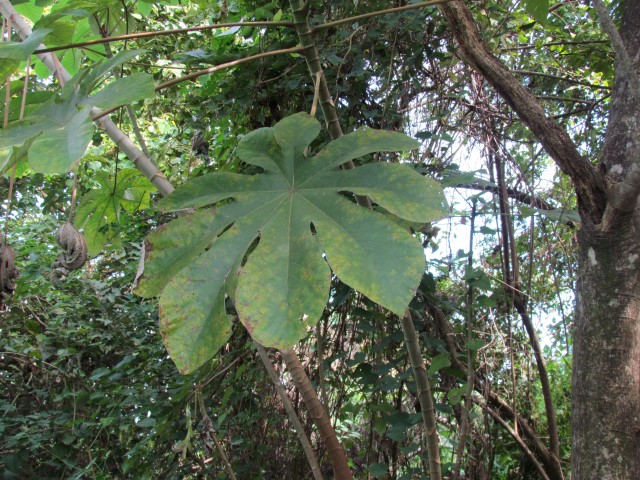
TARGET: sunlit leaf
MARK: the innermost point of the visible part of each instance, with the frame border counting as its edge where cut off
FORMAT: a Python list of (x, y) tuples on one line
[(538, 9), (304, 228)]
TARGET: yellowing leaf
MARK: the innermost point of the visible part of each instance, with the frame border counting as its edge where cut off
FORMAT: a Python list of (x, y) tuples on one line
[(293, 224)]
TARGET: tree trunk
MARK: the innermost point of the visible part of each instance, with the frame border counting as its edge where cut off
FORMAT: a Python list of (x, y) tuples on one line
[(606, 358), (606, 350)]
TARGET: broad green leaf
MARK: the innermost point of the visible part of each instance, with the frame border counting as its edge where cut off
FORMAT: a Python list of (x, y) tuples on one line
[(197, 293), (304, 227), (123, 91), (12, 53), (57, 150), (439, 362), (177, 243), (99, 210), (61, 129), (62, 26), (538, 9)]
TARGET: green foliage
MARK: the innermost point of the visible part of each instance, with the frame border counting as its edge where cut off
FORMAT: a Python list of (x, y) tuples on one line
[(296, 210), (86, 387), (12, 53), (538, 9), (100, 209), (55, 135)]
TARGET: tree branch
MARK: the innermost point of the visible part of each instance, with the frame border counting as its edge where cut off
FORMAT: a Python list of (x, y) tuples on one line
[(622, 56), (521, 197), (199, 73), (519, 441), (134, 36), (588, 181), (378, 13)]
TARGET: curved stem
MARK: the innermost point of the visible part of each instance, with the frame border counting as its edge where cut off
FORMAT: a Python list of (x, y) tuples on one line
[(425, 396), (293, 417), (319, 416)]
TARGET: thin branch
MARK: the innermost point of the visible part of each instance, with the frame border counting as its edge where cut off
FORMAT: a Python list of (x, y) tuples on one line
[(521, 197), (622, 56), (215, 68), (134, 36), (466, 410), (423, 390), (378, 13), (210, 436), (558, 77), (589, 182), (552, 44), (291, 412), (519, 441)]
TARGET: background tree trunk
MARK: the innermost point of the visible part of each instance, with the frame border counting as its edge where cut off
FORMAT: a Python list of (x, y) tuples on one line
[(606, 358)]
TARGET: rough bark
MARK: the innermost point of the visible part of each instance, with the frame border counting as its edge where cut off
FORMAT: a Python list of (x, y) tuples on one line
[(606, 358), (606, 355)]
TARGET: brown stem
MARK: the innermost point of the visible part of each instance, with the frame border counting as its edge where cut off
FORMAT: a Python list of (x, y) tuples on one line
[(554, 438), (291, 412), (133, 36), (425, 396), (319, 416), (588, 181)]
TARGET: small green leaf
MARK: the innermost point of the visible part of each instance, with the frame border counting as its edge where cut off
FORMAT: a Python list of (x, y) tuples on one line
[(99, 209), (97, 71), (538, 9), (475, 344), (439, 362), (378, 470)]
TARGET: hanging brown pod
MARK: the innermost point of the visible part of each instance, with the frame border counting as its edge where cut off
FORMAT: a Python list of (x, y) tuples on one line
[(8, 272), (74, 245)]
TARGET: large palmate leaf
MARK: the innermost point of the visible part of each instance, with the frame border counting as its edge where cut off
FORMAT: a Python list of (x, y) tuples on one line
[(304, 228), (55, 136)]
